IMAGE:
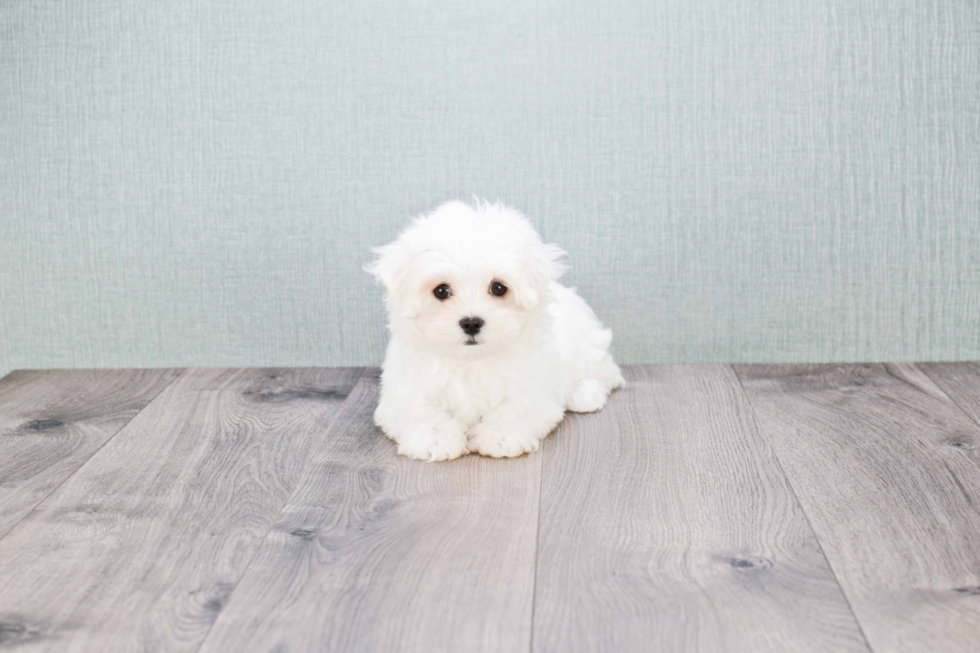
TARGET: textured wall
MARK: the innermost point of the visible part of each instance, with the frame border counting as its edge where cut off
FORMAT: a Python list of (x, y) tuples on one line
[(198, 183)]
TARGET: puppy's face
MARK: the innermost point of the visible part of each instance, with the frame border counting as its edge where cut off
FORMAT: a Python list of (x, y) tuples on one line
[(466, 281), (458, 306)]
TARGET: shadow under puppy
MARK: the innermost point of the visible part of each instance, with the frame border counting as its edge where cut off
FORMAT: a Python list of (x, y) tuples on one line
[(487, 350)]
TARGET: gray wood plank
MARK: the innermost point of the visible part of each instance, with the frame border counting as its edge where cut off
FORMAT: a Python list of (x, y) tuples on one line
[(960, 382), (886, 468), (52, 421), (141, 547), (376, 552), (667, 525)]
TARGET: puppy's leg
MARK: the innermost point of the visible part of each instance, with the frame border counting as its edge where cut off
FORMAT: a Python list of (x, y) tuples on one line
[(587, 396), (512, 429), (591, 372), (426, 434)]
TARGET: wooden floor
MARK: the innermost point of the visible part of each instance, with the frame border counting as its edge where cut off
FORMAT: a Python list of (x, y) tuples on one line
[(706, 508)]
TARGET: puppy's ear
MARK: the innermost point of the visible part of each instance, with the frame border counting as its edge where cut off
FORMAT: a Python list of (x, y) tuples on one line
[(384, 268), (391, 268), (542, 265)]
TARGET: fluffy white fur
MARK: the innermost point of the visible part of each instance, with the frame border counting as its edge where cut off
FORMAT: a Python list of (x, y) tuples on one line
[(540, 351)]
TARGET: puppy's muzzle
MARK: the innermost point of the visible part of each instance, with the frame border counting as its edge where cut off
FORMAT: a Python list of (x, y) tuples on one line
[(471, 325)]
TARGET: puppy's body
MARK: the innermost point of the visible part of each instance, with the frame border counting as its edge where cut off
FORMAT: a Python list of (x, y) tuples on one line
[(477, 370)]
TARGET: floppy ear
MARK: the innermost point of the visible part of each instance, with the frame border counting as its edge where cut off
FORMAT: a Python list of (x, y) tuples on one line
[(542, 265), (388, 265), (391, 268)]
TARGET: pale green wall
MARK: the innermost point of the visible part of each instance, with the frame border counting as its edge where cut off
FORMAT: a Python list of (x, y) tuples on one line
[(198, 183)]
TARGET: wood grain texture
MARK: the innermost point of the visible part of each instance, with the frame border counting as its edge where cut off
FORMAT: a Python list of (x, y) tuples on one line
[(888, 471), (141, 547), (960, 382), (52, 421), (376, 552), (667, 525)]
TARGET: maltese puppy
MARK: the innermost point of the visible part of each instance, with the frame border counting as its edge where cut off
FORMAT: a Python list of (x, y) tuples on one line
[(487, 351)]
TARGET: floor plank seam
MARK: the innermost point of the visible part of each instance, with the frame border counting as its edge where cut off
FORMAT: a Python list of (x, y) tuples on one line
[(806, 516), (537, 550), (285, 503), (180, 373)]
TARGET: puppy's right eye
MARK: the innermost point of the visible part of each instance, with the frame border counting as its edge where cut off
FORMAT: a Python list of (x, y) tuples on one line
[(442, 292)]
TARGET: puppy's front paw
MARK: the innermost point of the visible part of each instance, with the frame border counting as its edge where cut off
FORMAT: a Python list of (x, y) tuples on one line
[(497, 443), (587, 396), (432, 445)]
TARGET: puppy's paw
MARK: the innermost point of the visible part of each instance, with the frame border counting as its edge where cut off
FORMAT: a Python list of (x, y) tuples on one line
[(496, 443), (587, 396), (432, 445)]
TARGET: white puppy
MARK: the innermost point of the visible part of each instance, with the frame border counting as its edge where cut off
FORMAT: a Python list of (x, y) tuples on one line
[(487, 350)]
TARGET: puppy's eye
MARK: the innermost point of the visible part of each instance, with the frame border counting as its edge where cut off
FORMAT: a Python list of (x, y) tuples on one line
[(498, 289), (442, 292)]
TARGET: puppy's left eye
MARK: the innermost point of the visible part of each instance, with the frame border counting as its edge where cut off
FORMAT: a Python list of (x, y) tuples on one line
[(498, 289), (442, 292)]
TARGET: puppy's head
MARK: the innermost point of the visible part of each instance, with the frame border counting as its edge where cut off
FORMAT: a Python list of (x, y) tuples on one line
[(466, 280)]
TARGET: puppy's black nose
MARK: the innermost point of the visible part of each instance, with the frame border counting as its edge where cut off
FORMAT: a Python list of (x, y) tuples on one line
[(471, 325)]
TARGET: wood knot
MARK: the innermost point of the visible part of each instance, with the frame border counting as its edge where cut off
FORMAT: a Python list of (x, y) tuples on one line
[(303, 533), (43, 424), (292, 394), (218, 597), (749, 563), (212, 599), (961, 442), (971, 590), (14, 632), (375, 477), (383, 507)]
